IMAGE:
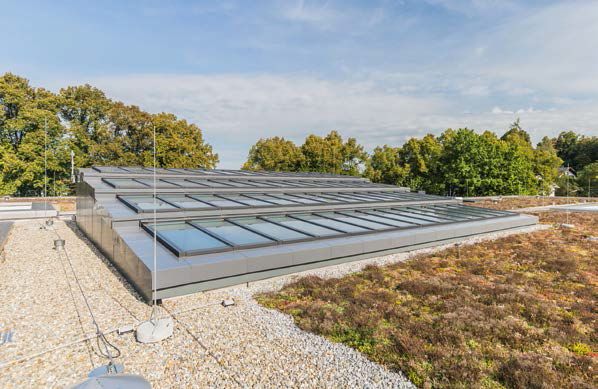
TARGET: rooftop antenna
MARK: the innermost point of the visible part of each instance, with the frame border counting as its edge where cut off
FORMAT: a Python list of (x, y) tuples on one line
[(155, 329)]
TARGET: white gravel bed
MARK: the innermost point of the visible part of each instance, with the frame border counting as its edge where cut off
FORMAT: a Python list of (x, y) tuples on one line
[(245, 345), (241, 346)]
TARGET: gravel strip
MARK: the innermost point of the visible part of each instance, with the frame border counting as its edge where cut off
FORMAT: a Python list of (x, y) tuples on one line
[(245, 345)]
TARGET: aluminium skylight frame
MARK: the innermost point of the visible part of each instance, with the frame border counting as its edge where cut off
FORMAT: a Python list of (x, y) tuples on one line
[(300, 199), (412, 218)]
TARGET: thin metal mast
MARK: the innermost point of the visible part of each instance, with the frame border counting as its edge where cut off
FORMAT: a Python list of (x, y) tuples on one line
[(155, 286), (45, 167)]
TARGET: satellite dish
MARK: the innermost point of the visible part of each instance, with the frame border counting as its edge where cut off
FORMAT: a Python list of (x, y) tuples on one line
[(114, 381)]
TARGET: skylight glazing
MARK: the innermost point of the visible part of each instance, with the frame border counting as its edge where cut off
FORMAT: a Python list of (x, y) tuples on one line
[(197, 236)]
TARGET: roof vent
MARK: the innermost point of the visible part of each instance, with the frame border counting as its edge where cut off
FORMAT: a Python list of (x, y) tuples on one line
[(59, 244)]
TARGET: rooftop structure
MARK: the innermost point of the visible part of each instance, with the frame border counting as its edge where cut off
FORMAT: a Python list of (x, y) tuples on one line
[(12, 210), (217, 228)]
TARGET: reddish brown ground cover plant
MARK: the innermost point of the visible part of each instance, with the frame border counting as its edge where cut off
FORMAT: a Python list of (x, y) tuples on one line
[(506, 203), (518, 312)]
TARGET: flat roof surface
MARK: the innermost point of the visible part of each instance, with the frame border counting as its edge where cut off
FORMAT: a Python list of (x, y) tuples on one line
[(241, 346), (246, 345), (5, 228)]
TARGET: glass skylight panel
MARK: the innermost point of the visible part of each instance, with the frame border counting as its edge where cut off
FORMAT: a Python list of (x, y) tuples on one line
[(364, 197), (146, 203), (332, 223), (183, 201), (274, 230), (353, 220), (293, 184), (309, 184), (159, 170), (246, 200), (124, 183), (311, 229), (338, 198), (216, 183), (177, 171), (398, 195), (316, 197), (186, 238), (389, 214), (183, 183), (137, 170), (456, 213), (379, 219), (109, 169), (240, 184), (474, 210), (159, 183), (436, 213), (208, 183), (386, 217), (232, 233), (406, 212), (217, 201), (379, 195), (278, 199), (303, 200), (276, 184), (263, 184)]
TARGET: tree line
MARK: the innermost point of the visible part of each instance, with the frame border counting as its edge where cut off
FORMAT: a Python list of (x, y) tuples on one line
[(458, 162), (39, 130)]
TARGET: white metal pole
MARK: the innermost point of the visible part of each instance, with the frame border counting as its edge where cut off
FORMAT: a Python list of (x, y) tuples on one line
[(45, 167), (72, 166), (155, 227)]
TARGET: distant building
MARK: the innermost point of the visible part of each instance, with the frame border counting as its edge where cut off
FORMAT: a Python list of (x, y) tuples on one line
[(566, 171)]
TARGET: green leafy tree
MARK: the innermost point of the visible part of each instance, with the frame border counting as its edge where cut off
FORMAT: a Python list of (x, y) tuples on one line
[(517, 131), (546, 164), (482, 164), (420, 158), (384, 166), (274, 154), (575, 150), (587, 180), (179, 144), (330, 154), (97, 129), (585, 152), (565, 145)]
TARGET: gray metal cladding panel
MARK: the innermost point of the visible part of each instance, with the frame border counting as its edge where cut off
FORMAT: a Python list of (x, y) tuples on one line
[(346, 248), (425, 234), (375, 242), (404, 238), (171, 270), (265, 258), (106, 237), (312, 252), (218, 265)]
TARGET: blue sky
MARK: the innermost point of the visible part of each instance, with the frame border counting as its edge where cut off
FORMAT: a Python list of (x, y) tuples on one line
[(380, 71)]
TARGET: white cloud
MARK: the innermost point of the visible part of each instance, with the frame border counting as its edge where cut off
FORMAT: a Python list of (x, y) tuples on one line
[(310, 13), (475, 7), (500, 111), (235, 110), (549, 50), (538, 64)]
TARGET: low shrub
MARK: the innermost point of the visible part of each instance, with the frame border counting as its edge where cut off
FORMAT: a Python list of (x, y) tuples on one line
[(517, 312)]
